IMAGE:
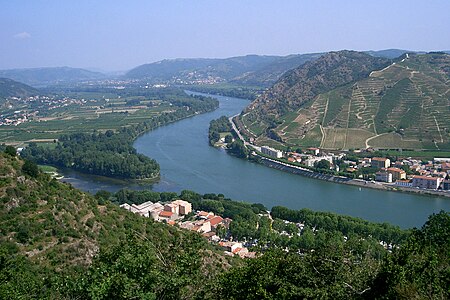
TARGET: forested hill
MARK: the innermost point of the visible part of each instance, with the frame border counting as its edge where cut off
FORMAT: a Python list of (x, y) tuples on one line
[(259, 70), (59, 243), (39, 77), (226, 68), (11, 88)]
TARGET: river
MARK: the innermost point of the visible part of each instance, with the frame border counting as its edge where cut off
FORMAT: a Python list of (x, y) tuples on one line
[(188, 162)]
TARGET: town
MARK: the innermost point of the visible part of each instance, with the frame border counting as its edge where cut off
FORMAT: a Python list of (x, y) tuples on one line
[(404, 172), (180, 213)]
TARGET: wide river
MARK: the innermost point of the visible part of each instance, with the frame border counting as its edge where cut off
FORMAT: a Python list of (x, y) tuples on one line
[(188, 162)]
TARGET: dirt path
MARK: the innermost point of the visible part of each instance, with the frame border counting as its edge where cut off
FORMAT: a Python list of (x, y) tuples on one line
[(371, 138)]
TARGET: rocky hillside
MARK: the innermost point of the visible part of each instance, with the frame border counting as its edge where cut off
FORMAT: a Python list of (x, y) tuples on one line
[(349, 99)]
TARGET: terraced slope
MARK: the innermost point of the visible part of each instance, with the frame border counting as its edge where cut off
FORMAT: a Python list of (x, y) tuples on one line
[(403, 105)]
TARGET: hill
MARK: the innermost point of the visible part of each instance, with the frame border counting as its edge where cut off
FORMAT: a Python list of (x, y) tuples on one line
[(39, 77), (270, 73), (11, 88), (59, 243), (348, 100), (200, 68), (242, 70), (50, 233), (249, 70)]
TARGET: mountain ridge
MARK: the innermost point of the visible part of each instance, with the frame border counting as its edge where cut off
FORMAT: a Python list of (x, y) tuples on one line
[(39, 77), (379, 105)]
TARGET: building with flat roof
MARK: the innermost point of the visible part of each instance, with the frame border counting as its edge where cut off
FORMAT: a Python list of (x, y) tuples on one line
[(380, 162), (271, 152), (184, 207), (397, 174), (427, 182), (383, 176)]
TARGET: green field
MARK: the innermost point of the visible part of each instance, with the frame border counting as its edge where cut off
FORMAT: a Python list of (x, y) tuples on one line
[(101, 114)]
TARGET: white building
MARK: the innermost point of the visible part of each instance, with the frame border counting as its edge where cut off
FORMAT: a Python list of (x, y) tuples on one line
[(426, 182), (312, 160), (271, 152), (383, 176)]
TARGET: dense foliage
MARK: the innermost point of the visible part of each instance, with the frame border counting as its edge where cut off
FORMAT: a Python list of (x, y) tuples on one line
[(216, 127), (57, 242), (112, 153), (418, 269), (344, 224)]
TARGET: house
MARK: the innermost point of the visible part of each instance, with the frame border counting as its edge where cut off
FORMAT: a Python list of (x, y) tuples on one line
[(380, 162), (167, 216), (145, 209), (205, 215), (216, 221), (426, 182), (184, 207), (201, 226), (383, 176), (313, 150), (230, 246), (397, 174), (174, 208)]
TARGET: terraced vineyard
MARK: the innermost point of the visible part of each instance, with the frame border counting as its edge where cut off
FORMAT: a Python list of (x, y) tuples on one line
[(404, 105)]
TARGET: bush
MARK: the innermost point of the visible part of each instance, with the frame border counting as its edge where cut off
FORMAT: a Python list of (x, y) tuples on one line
[(30, 168)]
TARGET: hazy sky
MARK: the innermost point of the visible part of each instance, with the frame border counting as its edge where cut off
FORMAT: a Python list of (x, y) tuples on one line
[(119, 35)]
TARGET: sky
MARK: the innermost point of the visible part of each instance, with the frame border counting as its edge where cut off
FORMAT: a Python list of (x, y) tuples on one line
[(117, 35)]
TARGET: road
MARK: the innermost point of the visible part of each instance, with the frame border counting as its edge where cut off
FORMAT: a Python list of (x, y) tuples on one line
[(247, 144)]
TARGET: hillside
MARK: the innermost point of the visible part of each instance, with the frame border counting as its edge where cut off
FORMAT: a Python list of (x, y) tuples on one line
[(403, 104), (199, 69), (270, 73), (250, 70), (59, 243), (51, 233), (39, 77), (11, 88)]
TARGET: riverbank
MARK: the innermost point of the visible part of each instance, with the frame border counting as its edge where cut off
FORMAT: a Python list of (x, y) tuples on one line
[(344, 180), (272, 163)]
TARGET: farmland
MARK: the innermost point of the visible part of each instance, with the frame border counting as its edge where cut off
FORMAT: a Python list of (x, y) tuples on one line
[(86, 112)]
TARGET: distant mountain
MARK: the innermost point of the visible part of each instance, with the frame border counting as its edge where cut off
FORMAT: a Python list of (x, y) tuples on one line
[(11, 88), (350, 99), (200, 69), (270, 73), (389, 53), (39, 77)]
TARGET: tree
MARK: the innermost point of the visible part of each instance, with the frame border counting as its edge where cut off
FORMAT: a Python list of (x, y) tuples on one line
[(10, 150), (228, 138), (30, 168), (323, 164)]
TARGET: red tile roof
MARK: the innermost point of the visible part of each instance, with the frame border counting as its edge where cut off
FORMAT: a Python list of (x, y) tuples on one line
[(165, 214), (216, 220)]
